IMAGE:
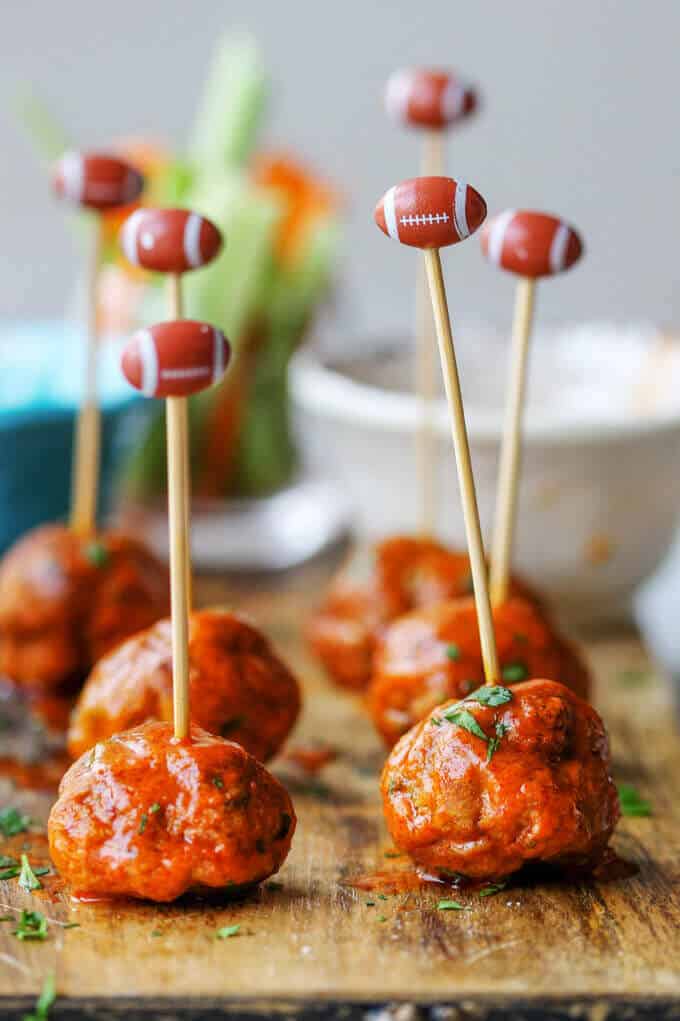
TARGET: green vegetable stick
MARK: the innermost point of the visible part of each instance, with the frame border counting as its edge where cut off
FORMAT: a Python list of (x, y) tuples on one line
[(231, 107)]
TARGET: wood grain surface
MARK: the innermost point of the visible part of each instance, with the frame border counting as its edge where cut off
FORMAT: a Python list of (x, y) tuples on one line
[(310, 944)]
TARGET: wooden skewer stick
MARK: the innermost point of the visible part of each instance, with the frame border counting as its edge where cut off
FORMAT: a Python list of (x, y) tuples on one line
[(431, 101), (86, 445), (510, 458), (177, 312), (530, 245), (97, 182), (465, 477), (178, 486), (426, 376)]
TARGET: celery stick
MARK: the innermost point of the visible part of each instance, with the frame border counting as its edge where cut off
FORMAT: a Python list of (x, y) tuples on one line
[(231, 107)]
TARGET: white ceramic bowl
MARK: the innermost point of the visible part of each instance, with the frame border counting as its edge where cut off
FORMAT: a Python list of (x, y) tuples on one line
[(600, 489)]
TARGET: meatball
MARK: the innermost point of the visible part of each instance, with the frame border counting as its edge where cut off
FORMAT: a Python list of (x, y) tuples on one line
[(506, 777), (239, 688), (434, 654), (146, 815), (405, 573), (66, 600)]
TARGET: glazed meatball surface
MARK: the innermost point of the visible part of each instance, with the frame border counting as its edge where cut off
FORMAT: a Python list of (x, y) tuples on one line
[(146, 815), (239, 688), (431, 655), (541, 792), (404, 573), (66, 600)]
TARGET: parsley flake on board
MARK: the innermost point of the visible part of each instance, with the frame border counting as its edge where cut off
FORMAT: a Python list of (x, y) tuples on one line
[(490, 695), (28, 878), (491, 889), (514, 672), (97, 554), (450, 905), (142, 822), (452, 652), (12, 821), (631, 802), (48, 995), (32, 925), (463, 718), (227, 931)]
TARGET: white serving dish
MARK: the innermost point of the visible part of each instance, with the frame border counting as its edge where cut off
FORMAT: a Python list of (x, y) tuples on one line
[(600, 489)]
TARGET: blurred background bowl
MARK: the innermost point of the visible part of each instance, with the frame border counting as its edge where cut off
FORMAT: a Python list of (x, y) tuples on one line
[(602, 434), (37, 415)]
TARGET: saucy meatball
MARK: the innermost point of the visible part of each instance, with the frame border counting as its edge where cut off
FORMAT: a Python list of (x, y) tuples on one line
[(239, 688), (405, 573), (506, 777), (434, 654), (146, 815), (66, 600)]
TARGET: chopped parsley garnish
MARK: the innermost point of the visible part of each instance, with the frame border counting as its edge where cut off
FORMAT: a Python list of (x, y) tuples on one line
[(48, 995), (70, 925), (28, 877), (154, 808), (488, 891), (463, 718), (382, 918), (12, 821), (383, 896), (450, 905), (501, 730), (370, 903), (227, 931), (452, 651), (218, 782), (156, 933), (97, 554), (142, 822), (514, 672), (631, 802), (391, 854), (491, 695), (32, 925)]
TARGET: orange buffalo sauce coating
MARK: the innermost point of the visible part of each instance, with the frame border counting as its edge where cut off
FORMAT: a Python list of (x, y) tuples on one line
[(543, 793), (66, 600), (146, 815), (431, 655), (406, 573), (239, 688)]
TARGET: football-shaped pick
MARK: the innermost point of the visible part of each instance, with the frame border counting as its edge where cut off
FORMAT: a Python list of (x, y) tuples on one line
[(96, 180), (430, 212), (175, 359), (169, 240), (424, 98), (530, 244)]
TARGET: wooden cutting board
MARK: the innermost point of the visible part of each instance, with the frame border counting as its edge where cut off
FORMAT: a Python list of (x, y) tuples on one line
[(312, 945)]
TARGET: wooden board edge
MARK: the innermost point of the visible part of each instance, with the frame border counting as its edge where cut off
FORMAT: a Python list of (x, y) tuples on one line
[(468, 1008)]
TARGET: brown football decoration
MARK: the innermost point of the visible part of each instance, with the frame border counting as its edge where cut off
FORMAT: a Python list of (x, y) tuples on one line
[(530, 244), (175, 359)]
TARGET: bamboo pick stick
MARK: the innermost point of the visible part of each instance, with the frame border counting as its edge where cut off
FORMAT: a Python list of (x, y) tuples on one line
[(87, 435), (465, 477), (179, 490), (432, 164), (179, 557), (510, 457), (177, 312)]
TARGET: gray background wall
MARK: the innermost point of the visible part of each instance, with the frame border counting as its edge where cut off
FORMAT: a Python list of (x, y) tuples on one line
[(580, 117)]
